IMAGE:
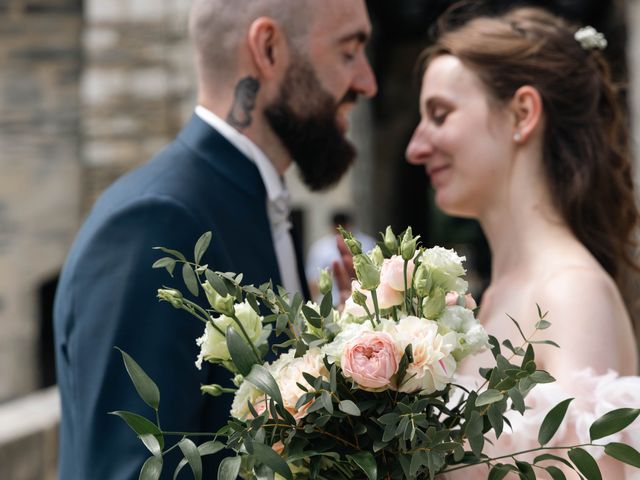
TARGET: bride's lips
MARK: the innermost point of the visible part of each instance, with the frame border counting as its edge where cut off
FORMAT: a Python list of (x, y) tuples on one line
[(435, 172)]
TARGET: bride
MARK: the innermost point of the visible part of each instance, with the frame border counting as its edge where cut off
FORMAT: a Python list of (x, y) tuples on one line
[(520, 129)]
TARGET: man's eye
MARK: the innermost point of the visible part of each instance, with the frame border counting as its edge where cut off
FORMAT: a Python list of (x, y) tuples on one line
[(348, 56)]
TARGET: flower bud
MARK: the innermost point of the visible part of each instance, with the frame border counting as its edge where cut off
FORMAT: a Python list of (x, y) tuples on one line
[(325, 282), (422, 281), (377, 257), (174, 297), (214, 390), (390, 241), (237, 380), (368, 274), (433, 305), (219, 303), (359, 298), (354, 246), (408, 244)]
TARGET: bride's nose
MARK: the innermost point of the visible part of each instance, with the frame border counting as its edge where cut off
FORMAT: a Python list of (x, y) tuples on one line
[(420, 147)]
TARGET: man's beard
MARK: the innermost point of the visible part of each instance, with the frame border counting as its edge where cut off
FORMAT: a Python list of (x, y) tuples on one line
[(313, 138)]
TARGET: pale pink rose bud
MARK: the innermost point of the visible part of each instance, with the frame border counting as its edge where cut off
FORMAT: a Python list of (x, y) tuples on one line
[(451, 299), (392, 272), (470, 302), (370, 359)]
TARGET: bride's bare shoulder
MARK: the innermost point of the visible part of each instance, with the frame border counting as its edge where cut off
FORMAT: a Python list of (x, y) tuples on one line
[(588, 316)]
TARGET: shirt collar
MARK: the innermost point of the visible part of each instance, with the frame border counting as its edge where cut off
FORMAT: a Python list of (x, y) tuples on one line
[(274, 185)]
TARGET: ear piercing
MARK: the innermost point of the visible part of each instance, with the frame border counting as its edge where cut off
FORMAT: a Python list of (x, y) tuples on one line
[(517, 137)]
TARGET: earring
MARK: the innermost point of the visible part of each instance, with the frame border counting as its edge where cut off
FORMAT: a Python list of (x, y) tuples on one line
[(517, 137)]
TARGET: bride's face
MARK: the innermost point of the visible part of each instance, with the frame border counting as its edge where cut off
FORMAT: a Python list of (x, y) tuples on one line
[(464, 139)]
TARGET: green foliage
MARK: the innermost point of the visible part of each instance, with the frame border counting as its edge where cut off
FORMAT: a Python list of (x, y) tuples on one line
[(348, 432)]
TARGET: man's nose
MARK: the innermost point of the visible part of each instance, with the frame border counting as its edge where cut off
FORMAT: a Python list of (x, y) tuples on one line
[(364, 81)]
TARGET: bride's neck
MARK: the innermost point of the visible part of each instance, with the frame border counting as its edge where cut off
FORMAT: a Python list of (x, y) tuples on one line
[(520, 229)]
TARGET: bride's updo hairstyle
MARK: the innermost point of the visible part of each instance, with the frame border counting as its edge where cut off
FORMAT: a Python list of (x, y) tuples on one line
[(586, 155)]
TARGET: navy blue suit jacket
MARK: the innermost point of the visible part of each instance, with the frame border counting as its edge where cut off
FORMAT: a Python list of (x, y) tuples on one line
[(107, 297)]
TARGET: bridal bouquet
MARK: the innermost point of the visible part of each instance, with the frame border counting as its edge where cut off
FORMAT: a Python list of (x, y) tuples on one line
[(366, 392)]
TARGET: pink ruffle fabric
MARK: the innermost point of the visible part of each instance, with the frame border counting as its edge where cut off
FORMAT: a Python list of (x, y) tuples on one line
[(594, 395)]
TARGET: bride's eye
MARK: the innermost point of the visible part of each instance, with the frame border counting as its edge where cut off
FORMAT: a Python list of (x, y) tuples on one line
[(439, 115)]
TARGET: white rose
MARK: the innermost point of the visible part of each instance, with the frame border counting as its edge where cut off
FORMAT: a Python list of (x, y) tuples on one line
[(433, 365), (213, 345), (291, 374), (457, 318), (446, 267), (247, 393), (444, 259)]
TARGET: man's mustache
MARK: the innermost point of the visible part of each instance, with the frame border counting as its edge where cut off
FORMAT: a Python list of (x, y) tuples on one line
[(350, 97)]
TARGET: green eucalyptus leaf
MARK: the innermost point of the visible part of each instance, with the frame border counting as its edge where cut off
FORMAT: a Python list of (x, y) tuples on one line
[(190, 279), (517, 400), (585, 463), (201, 246), (366, 462), (151, 442), (165, 262), (489, 396), (612, 422), (229, 468), (556, 473), (326, 305), (216, 282), (623, 453), (241, 353), (151, 469), (540, 376), (140, 425), (552, 421), (350, 408), (263, 380), (266, 455), (495, 419), (543, 325), (550, 456), (175, 253), (207, 448), (325, 400), (499, 471), (145, 387), (192, 455), (526, 470)]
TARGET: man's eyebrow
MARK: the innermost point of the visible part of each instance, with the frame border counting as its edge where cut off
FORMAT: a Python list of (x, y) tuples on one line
[(360, 36)]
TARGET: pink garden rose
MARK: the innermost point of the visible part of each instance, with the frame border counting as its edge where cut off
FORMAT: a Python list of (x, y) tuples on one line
[(392, 272), (371, 359)]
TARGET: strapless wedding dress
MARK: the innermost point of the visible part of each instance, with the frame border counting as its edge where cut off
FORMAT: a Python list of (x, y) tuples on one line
[(594, 395)]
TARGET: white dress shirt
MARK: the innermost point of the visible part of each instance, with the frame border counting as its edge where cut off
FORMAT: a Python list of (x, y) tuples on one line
[(278, 198)]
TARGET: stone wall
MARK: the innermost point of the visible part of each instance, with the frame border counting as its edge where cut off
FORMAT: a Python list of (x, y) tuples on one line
[(40, 60)]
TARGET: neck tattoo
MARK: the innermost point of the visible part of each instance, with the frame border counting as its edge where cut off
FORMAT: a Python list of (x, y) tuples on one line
[(243, 103)]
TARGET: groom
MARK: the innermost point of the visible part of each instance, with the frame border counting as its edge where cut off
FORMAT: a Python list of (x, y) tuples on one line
[(277, 79)]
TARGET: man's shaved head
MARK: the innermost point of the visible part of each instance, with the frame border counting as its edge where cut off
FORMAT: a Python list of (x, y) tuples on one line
[(218, 26)]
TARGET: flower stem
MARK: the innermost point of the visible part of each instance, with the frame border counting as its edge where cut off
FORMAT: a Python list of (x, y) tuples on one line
[(374, 297)]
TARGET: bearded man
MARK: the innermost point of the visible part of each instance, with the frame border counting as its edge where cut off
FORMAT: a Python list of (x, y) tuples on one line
[(276, 79)]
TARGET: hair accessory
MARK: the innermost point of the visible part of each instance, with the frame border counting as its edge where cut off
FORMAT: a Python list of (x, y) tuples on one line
[(589, 38)]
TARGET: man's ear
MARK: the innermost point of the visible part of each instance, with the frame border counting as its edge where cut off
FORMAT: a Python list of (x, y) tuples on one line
[(527, 109), (268, 46)]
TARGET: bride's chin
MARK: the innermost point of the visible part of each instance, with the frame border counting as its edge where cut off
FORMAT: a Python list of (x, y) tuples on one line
[(453, 207)]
